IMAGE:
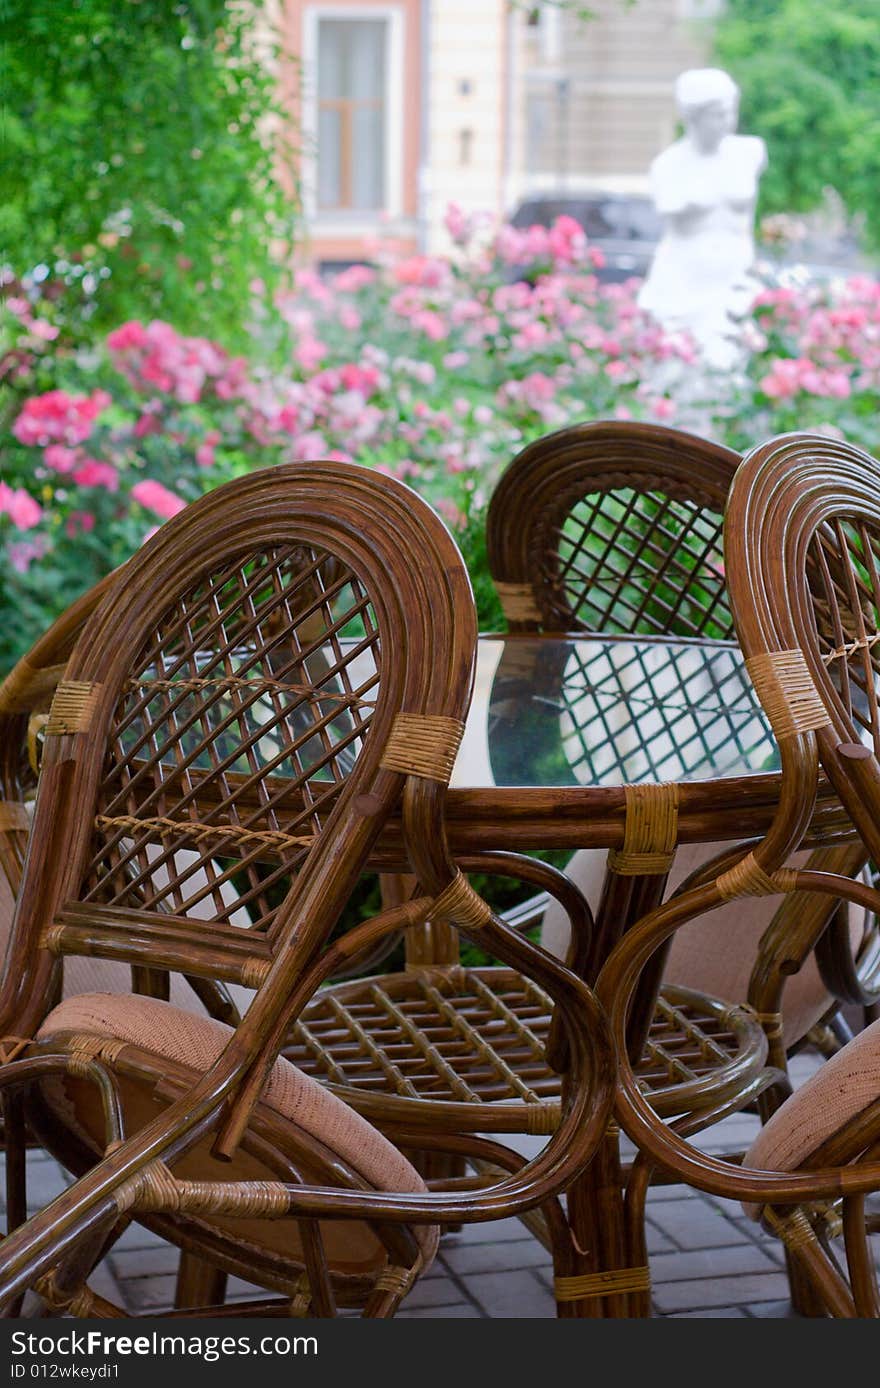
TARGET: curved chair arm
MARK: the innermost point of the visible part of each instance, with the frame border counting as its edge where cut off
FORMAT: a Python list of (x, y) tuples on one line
[(553, 883), (656, 1139)]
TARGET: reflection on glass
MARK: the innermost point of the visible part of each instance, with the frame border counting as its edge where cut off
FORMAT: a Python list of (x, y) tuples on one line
[(606, 712)]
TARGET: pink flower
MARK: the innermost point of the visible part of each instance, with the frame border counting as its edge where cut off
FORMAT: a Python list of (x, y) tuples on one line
[(349, 318), (364, 379), (354, 278), (41, 328), (661, 408), (79, 522), (59, 458), (130, 335), (148, 423), (205, 450), (567, 241), (309, 447), (20, 507), (93, 473), (57, 417), (309, 353), (423, 270), (538, 388), (454, 360), (427, 321), (458, 224), (154, 497), (22, 553), (616, 369)]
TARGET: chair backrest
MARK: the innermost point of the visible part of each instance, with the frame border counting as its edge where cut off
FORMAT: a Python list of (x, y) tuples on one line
[(25, 692), (236, 711), (802, 547), (616, 527)]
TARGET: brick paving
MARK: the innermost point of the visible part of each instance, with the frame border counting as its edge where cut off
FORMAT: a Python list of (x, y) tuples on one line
[(707, 1258)]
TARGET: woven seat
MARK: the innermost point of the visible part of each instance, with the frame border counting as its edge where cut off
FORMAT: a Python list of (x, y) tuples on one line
[(192, 1044), (476, 1037)]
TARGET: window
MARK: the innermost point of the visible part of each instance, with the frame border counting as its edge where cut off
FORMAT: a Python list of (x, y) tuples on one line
[(351, 109)]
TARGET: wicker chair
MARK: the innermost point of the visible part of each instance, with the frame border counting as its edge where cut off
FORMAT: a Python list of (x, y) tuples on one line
[(802, 548), (285, 665), (616, 528)]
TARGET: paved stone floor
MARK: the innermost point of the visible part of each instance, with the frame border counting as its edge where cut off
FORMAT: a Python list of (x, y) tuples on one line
[(707, 1259)]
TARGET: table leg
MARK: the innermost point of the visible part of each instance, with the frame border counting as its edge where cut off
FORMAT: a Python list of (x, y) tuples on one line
[(608, 1235)]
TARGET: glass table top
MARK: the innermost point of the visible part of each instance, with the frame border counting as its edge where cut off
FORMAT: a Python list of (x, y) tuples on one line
[(603, 711)]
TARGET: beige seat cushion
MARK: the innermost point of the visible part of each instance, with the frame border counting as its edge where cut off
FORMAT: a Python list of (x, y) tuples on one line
[(714, 954), (845, 1085), (195, 1042)]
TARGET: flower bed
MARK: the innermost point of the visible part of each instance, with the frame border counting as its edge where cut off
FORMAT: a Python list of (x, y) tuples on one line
[(435, 370)]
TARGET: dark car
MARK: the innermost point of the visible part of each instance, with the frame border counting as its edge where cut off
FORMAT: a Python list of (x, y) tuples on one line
[(624, 226)]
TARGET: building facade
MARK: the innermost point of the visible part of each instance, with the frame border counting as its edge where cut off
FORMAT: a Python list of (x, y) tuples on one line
[(402, 106)]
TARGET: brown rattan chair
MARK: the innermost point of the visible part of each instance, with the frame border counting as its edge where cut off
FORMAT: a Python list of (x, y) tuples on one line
[(615, 527), (286, 664), (802, 548), (25, 698)]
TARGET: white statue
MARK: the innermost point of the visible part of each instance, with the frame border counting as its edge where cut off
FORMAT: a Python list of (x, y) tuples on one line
[(705, 187)]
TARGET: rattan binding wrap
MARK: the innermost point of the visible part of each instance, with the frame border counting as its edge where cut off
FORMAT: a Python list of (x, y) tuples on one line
[(787, 692), (13, 815), (650, 831), (302, 1297), (254, 972), (72, 707), (542, 1119), (794, 1229), (518, 602), (155, 1190), (85, 1049), (422, 745), (748, 878), (772, 1023), (602, 1283), (396, 1280), (82, 1303), (460, 904)]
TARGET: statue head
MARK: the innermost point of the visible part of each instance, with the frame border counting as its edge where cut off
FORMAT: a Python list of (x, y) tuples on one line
[(708, 103)]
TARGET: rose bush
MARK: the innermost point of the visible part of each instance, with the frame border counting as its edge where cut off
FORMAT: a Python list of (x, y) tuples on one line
[(433, 369)]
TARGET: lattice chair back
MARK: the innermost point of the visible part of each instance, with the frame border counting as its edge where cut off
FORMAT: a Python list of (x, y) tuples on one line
[(613, 527), (212, 726), (807, 511)]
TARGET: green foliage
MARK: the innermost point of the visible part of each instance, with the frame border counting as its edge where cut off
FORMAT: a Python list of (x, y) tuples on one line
[(136, 143), (810, 78)]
